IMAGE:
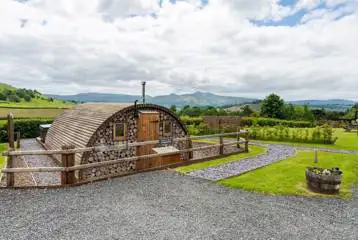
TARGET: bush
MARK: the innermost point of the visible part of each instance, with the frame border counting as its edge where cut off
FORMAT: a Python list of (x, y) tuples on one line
[(324, 134), (27, 98), (13, 98), (191, 120), (29, 128), (251, 121)]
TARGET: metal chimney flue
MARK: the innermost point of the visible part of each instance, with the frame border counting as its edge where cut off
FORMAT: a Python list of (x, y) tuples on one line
[(143, 91)]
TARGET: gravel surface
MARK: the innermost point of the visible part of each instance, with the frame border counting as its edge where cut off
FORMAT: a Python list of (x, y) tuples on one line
[(166, 205), (274, 153), (44, 178)]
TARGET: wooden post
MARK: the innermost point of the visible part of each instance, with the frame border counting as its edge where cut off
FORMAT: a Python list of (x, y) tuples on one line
[(68, 160), (315, 156), (238, 137), (247, 142), (18, 140), (221, 151), (10, 178)]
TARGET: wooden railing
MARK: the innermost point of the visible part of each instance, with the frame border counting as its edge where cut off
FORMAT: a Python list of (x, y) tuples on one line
[(68, 156)]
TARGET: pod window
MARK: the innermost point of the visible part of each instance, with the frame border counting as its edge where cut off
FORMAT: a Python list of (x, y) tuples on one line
[(167, 128), (119, 131)]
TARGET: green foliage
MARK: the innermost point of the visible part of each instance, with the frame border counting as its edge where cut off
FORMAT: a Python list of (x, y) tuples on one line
[(173, 108), (27, 98), (272, 106), (13, 98), (247, 111), (321, 135), (3, 97), (29, 128), (186, 120), (251, 121)]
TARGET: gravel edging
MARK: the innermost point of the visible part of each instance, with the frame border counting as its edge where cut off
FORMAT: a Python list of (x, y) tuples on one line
[(274, 154)]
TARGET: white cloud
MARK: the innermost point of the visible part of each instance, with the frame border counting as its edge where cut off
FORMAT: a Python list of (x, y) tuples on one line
[(68, 46)]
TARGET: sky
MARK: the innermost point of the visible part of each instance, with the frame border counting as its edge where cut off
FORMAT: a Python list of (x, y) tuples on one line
[(299, 49)]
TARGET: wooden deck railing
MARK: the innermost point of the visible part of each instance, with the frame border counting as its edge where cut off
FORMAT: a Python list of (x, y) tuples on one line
[(68, 155)]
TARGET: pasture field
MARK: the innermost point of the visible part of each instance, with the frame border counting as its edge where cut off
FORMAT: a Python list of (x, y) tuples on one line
[(36, 103), (287, 177), (31, 113)]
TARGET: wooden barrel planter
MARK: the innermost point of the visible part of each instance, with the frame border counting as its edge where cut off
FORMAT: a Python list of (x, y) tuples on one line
[(324, 180)]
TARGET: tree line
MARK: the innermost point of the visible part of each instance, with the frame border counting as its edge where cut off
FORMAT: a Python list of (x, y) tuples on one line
[(273, 106)]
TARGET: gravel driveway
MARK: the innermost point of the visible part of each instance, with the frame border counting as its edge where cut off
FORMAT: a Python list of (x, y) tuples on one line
[(166, 205)]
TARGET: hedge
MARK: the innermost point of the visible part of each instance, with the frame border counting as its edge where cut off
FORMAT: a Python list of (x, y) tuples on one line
[(29, 128), (322, 134), (270, 122)]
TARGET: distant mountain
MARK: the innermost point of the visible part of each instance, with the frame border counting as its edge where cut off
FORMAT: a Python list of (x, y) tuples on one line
[(197, 98), (330, 104)]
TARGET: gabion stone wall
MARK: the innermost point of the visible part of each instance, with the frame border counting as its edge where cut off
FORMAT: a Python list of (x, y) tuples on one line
[(104, 136)]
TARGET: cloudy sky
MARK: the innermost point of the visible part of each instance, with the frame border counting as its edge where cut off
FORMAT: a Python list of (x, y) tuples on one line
[(298, 48)]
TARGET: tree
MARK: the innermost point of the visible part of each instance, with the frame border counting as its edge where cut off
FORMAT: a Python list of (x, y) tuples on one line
[(173, 108), (27, 98), (13, 98), (307, 114), (247, 111), (289, 111), (2, 96), (272, 106)]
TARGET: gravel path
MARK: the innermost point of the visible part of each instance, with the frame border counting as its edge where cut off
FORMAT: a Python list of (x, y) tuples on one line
[(44, 178), (274, 153), (165, 205)]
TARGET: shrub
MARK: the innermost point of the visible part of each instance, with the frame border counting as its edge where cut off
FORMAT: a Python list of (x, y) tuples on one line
[(251, 121), (191, 120), (29, 128), (324, 135)]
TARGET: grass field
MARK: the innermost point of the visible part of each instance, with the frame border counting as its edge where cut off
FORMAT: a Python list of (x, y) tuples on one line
[(3, 147), (346, 141), (288, 177), (253, 151), (30, 113), (36, 103)]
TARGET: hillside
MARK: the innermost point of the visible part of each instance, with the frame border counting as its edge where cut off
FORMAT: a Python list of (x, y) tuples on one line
[(26, 103), (197, 99), (12, 97)]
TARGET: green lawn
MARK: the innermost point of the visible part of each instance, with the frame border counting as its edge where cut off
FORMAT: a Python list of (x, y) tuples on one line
[(288, 176), (346, 141), (253, 151), (3, 147)]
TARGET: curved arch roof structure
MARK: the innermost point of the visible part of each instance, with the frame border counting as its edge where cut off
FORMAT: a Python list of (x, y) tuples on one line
[(78, 126)]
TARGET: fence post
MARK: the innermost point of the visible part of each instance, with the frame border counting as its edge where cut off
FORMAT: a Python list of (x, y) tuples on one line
[(247, 141), (68, 160), (238, 137), (221, 151), (10, 178), (18, 140)]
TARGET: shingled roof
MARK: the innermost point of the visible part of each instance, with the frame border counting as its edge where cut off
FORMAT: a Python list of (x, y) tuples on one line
[(76, 126)]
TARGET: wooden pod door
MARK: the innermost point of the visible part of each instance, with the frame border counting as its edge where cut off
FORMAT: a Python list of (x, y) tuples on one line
[(148, 130)]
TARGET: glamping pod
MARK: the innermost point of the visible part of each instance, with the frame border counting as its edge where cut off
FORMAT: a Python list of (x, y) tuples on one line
[(106, 124)]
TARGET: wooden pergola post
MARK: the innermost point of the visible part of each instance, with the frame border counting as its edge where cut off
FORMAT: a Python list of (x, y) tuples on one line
[(10, 178), (68, 160)]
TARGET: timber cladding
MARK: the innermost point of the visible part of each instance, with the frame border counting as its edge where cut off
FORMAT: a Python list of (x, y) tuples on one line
[(224, 121), (92, 124)]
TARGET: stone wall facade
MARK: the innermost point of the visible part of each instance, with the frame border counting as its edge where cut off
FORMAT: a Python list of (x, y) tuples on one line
[(105, 137)]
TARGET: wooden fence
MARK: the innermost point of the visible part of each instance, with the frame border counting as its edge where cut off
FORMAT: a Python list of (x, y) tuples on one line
[(68, 157)]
